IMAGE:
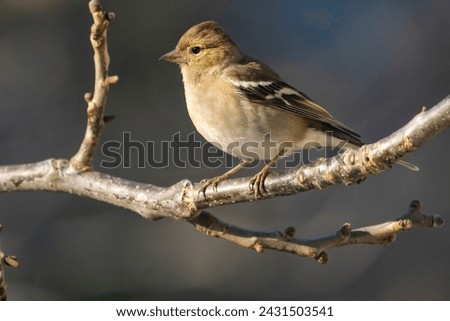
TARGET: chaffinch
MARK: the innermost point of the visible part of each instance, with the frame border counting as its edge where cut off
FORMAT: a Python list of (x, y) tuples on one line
[(243, 107)]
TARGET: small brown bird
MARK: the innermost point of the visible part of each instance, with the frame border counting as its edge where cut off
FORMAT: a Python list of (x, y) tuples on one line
[(237, 102)]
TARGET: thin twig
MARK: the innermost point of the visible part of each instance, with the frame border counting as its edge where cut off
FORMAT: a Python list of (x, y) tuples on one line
[(82, 161), (384, 234)]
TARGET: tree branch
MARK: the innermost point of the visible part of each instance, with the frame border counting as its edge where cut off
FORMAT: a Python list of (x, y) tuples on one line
[(383, 234), (57, 175), (184, 200), (82, 160)]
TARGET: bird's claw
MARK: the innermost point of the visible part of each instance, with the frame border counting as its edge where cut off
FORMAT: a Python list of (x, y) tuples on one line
[(210, 182), (257, 184)]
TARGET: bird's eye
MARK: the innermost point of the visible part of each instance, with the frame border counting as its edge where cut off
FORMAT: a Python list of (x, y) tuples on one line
[(196, 50)]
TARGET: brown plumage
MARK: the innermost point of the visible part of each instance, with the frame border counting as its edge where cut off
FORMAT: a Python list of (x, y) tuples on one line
[(235, 101)]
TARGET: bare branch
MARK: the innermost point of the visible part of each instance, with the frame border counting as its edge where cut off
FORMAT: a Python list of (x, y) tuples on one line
[(56, 175), (383, 234), (82, 160)]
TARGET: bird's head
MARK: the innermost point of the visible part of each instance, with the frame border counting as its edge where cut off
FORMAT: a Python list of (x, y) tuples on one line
[(205, 45)]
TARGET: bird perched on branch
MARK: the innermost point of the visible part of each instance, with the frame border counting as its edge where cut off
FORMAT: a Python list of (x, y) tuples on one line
[(243, 107)]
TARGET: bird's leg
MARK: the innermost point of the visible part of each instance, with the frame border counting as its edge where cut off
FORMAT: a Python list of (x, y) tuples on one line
[(216, 180), (257, 181)]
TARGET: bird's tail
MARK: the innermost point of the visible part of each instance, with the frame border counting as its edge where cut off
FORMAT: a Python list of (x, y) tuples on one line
[(408, 165)]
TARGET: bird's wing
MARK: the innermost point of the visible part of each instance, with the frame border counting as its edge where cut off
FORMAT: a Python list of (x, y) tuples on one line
[(259, 84)]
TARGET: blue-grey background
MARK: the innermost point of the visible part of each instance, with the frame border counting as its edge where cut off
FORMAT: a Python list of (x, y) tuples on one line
[(371, 64)]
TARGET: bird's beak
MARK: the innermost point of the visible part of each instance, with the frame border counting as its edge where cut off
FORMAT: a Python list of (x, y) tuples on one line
[(173, 56)]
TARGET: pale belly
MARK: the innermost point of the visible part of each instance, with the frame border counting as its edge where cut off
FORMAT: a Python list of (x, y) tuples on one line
[(247, 131)]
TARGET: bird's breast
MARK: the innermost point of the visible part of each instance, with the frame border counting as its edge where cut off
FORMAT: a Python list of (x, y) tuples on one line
[(217, 117)]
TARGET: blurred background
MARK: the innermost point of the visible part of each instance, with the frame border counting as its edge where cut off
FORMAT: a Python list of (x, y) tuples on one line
[(371, 64)]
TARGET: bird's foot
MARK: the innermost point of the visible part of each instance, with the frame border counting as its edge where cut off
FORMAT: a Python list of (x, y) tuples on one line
[(257, 182), (216, 180), (205, 183)]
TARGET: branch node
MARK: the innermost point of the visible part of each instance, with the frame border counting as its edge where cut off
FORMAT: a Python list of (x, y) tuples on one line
[(289, 232), (407, 143), (345, 230), (437, 221), (95, 6), (415, 205), (388, 239), (108, 118), (321, 258), (301, 179), (259, 248), (88, 97), (11, 261), (330, 178), (110, 16), (360, 180), (111, 80), (405, 224), (351, 158), (187, 197)]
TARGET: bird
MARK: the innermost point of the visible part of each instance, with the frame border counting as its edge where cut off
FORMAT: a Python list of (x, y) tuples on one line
[(237, 103)]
